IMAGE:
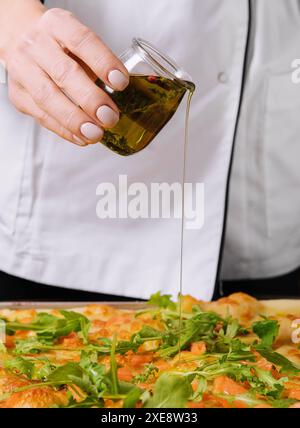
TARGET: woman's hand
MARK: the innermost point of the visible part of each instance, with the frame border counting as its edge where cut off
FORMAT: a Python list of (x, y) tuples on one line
[(49, 67)]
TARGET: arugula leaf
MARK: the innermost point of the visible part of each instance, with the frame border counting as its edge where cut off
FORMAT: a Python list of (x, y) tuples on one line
[(88, 375), (283, 403), (251, 400), (41, 322), (261, 381), (162, 301), (199, 327), (95, 371), (72, 373), (84, 383), (232, 347), (43, 372), (88, 358), (3, 349), (65, 374), (232, 328), (271, 387), (20, 366), (201, 388), (44, 319), (171, 391), (149, 371), (278, 360), (49, 327), (235, 370), (267, 331), (82, 323), (248, 399), (89, 402), (149, 333), (114, 367), (90, 378), (122, 346), (33, 345), (132, 398)]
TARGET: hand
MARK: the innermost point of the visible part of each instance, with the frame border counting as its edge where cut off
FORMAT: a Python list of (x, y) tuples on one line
[(49, 68)]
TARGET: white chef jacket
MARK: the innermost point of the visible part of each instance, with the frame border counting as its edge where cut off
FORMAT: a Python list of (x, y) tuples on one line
[(49, 231), (263, 234)]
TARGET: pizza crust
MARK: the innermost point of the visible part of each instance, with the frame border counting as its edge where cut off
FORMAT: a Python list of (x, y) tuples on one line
[(281, 307)]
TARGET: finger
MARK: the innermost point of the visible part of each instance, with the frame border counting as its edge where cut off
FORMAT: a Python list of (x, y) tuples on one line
[(46, 94), (72, 79), (85, 44), (25, 104)]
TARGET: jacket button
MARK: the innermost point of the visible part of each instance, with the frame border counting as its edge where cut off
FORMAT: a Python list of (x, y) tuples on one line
[(223, 77)]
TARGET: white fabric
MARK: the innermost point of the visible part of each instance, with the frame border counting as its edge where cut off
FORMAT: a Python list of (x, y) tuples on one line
[(263, 234), (49, 231)]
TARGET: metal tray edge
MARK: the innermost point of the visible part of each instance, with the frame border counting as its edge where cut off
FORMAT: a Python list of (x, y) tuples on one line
[(134, 305), (69, 305)]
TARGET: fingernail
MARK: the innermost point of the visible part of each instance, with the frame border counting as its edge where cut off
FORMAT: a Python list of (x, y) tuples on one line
[(118, 80), (107, 116), (91, 131), (79, 141)]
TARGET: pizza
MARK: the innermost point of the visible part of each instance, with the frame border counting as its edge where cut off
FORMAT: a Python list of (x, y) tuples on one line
[(237, 352)]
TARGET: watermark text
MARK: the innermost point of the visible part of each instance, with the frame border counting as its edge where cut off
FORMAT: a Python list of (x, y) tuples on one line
[(156, 201)]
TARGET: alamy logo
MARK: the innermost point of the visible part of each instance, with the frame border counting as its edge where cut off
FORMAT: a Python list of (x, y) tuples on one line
[(156, 201), (296, 72)]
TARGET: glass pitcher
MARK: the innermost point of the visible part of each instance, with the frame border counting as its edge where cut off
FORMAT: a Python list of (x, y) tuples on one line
[(156, 89)]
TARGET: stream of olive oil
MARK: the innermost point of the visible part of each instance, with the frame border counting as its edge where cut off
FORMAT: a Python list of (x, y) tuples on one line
[(185, 153), (146, 106)]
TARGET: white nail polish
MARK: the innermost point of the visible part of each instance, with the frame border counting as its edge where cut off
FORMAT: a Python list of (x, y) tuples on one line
[(91, 131), (118, 80), (107, 116)]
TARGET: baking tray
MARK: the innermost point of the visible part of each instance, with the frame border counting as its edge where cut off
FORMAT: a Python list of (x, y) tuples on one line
[(71, 305), (277, 304)]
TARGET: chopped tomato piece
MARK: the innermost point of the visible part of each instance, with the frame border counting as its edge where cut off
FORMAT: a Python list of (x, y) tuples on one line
[(294, 394), (120, 319), (218, 402), (137, 361), (125, 374), (264, 364), (198, 348), (99, 323), (124, 335), (196, 405), (293, 390), (10, 342), (225, 385), (71, 341), (240, 404)]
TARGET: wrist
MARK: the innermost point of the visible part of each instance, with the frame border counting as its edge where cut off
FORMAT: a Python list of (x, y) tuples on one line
[(16, 18)]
